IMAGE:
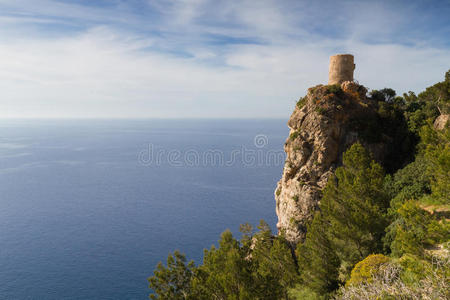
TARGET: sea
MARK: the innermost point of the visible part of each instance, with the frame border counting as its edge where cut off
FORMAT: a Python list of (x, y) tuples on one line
[(89, 207)]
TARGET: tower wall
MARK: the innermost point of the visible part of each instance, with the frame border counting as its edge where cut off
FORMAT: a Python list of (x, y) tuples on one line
[(341, 68)]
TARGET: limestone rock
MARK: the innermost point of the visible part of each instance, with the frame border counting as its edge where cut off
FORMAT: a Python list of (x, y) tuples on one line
[(322, 126), (441, 122)]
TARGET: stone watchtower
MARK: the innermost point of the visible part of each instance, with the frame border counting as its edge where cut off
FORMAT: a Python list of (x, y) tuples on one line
[(341, 68)]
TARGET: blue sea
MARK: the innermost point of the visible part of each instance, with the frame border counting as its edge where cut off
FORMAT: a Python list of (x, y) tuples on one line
[(89, 207)]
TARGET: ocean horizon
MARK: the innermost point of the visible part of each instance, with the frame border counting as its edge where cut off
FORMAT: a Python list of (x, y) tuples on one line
[(90, 206)]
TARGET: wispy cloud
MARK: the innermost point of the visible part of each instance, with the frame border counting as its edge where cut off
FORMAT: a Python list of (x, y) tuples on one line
[(204, 58)]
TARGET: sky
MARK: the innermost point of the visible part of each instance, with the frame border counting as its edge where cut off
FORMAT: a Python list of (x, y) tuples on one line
[(207, 58)]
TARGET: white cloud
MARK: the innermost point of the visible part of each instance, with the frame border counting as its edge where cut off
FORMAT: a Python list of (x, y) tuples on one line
[(109, 71)]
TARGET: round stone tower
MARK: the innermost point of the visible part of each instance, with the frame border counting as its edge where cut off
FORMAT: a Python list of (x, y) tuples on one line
[(341, 68)]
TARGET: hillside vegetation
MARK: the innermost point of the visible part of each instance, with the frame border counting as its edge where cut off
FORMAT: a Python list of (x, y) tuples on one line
[(381, 231)]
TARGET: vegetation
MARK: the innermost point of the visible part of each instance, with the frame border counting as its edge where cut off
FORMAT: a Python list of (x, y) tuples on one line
[(382, 232), (390, 281), (278, 192), (384, 95), (320, 110), (301, 102), (355, 204), (334, 89), (294, 135), (173, 281), (259, 266), (317, 259), (364, 271)]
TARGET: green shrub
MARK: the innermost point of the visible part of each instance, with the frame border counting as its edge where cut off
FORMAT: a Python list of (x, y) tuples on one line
[(301, 102), (293, 221), (410, 279), (294, 135), (365, 269), (303, 293), (411, 230), (411, 182), (278, 192), (320, 110), (384, 95), (334, 89)]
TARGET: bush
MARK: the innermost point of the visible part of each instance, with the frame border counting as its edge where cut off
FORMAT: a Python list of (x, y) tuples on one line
[(415, 230), (320, 110), (301, 102), (366, 269), (303, 293), (294, 135), (389, 284), (278, 192), (411, 182), (384, 95), (334, 89)]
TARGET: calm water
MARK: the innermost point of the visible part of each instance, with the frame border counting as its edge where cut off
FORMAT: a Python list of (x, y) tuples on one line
[(88, 208)]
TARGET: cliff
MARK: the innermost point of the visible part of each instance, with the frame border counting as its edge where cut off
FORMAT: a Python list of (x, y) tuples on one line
[(323, 125)]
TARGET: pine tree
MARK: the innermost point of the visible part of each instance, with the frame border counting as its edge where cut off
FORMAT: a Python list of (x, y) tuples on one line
[(436, 147), (318, 262), (274, 268), (355, 204), (225, 273), (174, 281)]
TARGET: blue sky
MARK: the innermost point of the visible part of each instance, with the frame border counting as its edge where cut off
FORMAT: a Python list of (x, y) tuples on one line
[(207, 59)]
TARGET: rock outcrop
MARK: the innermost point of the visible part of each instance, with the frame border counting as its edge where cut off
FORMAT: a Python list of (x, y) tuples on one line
[(441, 122), (323, 125)]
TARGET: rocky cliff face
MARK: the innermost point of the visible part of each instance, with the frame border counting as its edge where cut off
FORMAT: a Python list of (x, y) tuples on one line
[(323, 125)]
